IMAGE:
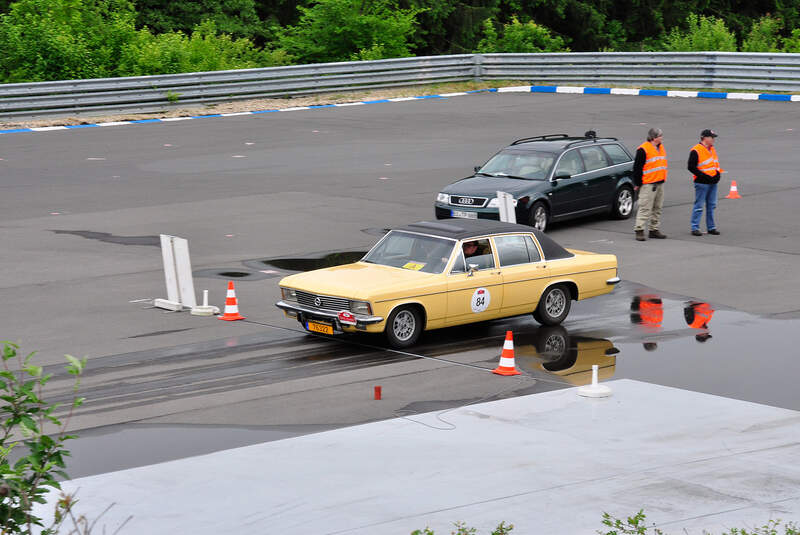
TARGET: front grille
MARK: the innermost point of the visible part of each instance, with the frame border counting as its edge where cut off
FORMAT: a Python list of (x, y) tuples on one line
[(326, 302), (475, 202)]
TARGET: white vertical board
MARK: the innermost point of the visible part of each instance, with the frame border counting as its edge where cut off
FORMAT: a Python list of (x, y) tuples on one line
[(170, 272), (506, 205), (177, 274), (183, 266)]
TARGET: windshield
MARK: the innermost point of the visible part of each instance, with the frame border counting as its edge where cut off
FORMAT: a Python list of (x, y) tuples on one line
[(411, 251), (527, 165)]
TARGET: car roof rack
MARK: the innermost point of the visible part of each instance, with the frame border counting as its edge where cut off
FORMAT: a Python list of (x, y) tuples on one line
[(545, 137), (593, 138)]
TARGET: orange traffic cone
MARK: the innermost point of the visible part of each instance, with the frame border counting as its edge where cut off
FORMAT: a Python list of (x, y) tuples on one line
[(231, 306), (734, 193), (506, 366)]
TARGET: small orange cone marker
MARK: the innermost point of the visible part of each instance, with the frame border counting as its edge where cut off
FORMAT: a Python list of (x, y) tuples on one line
[(734, 193), (506, 366), (231, 306)]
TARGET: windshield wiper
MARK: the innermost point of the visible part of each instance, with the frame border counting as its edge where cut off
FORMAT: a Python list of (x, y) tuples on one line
[(503, 175)]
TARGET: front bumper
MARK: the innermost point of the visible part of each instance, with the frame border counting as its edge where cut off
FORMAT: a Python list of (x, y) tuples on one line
[(445, 211), (303, 314)]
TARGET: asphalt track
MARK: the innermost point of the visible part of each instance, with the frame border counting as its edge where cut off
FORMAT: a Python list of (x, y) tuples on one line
[(80, 212)]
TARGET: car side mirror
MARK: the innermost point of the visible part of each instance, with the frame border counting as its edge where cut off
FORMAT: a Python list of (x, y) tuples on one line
[(477, 168), (560, 177), (472, 269)]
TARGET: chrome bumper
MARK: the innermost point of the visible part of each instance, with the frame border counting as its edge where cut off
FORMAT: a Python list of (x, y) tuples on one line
[(328, 315), (613, 281)]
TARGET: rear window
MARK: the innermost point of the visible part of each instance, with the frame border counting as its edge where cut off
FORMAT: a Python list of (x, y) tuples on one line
[(617, 154)]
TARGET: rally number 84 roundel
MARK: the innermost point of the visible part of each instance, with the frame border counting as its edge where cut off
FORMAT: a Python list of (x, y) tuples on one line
[(480, 300), (430, 275)]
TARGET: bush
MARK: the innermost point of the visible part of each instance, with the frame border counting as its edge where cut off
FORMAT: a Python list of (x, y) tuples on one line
[(518, 37), (23, 418), (703, 34), (203, 50), (763, 36), (792, 43), (341, 30)]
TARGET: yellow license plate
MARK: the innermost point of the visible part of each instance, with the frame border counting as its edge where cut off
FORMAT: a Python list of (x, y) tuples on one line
[(320, 327)]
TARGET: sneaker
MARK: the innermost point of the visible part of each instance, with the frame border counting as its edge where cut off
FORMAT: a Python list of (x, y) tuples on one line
[(640, 235), (657, 234), (714, 231), (696, 233)]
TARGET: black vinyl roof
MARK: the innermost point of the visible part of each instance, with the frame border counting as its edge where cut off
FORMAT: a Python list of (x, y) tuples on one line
[(462, 229)]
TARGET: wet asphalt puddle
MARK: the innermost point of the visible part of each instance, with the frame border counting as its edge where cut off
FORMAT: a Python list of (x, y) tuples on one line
[(634, 333)]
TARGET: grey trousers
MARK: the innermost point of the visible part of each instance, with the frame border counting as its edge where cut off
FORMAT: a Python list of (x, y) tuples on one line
[(651, 200)]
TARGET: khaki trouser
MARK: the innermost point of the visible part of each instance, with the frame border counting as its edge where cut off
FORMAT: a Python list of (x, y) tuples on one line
[(651, 199)]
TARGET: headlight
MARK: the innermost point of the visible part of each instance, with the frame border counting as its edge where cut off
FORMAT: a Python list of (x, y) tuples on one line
[(360, 307), (288, 294), (495, 203), (443, 197)]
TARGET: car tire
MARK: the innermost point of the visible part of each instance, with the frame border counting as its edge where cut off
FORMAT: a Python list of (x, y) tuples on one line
[(554, 305), (553, 345), (539, 216), (404, 327), (623, 203)]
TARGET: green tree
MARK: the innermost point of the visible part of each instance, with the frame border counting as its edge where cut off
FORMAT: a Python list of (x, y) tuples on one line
[(449, 26), (519, 37), (63, 39), (24, 416), (238, 18), (340, 30), (703, 34), (764, 35)]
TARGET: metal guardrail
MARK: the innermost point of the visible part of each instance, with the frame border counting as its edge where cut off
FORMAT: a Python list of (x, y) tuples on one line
[(691, 70)]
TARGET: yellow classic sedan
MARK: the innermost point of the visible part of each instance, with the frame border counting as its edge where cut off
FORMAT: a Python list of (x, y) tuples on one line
[(430, 275)]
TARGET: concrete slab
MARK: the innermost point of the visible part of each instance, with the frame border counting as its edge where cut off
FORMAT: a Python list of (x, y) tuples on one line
[(548, 463)]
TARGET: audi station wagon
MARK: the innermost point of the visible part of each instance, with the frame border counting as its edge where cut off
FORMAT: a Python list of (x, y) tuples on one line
[(552, 178), (430, 275)]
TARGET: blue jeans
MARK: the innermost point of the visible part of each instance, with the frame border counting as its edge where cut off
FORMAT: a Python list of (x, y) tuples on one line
[(704, 194)]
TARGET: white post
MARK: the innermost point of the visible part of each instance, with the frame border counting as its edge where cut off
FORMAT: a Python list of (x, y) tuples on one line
[(177, 274), (594, 390), (506, 206)]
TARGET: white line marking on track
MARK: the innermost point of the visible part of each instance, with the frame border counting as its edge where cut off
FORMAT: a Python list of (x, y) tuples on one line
[(95, 159)]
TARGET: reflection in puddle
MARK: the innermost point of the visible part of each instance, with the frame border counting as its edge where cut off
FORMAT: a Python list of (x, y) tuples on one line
[(308, 264), (647, 312), (570, 357)]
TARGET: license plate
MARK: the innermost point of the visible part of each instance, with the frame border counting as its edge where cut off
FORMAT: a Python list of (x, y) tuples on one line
[(464, 215), (316, 327)]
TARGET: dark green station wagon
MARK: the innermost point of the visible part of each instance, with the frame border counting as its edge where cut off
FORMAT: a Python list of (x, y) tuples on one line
[(552, 178)]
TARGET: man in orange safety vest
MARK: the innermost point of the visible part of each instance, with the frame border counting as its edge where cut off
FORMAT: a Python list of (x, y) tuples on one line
[(704, 166), (649, 175)]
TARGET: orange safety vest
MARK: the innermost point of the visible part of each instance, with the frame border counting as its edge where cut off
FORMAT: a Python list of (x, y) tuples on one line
[(655, 164), (648, 311), (698, 315), (707, 160)]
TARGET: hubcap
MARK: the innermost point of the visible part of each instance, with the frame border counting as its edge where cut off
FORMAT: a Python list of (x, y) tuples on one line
[(555, 302), (404, 325), (540, 219), (625, 202), (555, 345)]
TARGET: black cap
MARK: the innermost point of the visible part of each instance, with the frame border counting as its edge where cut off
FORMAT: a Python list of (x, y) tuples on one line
[(708, 133)]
